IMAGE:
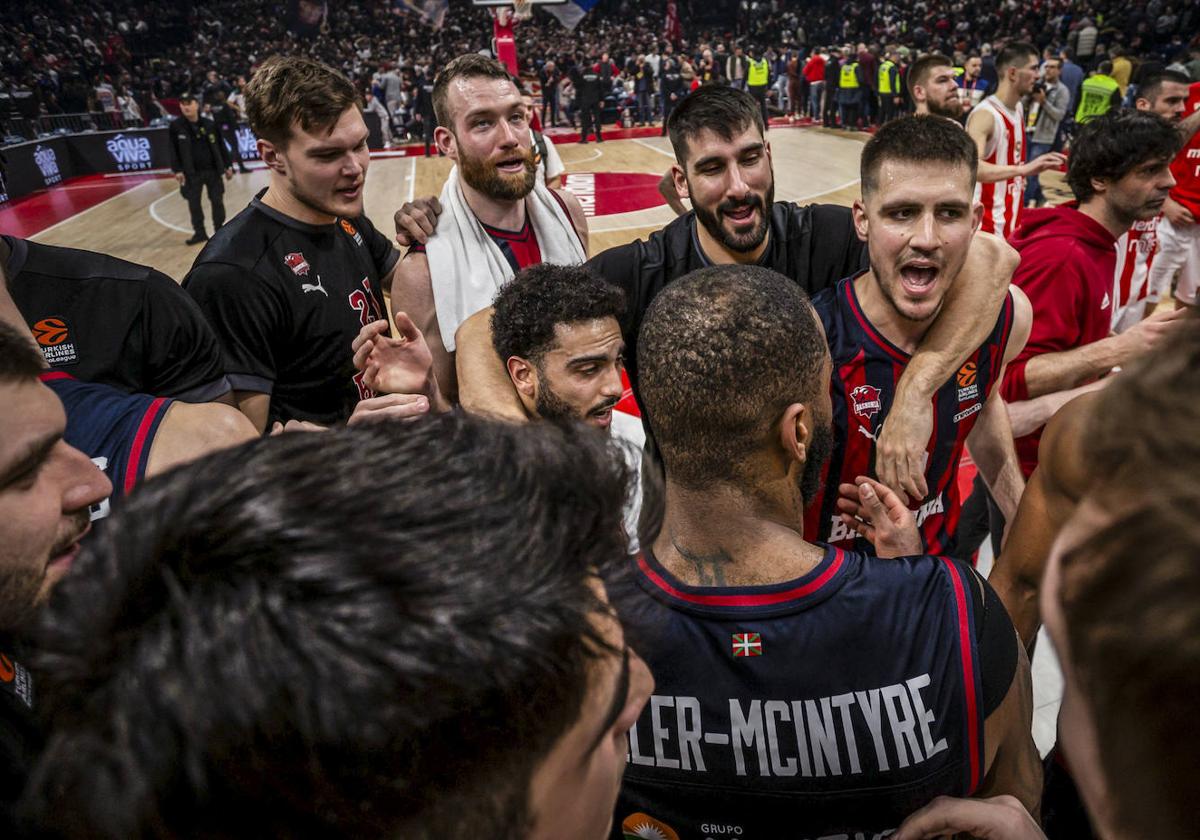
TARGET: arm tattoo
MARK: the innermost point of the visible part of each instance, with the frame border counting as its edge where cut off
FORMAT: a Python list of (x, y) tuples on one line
[(709, 568)]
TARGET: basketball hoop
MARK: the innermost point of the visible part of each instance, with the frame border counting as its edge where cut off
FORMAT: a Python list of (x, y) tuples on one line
[(522, 9)]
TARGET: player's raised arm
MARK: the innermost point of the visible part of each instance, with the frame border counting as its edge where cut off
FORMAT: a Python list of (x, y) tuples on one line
[(972, 306)]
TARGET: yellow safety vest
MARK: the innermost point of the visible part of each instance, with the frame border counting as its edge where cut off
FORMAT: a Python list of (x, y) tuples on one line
[(1095, 97), (849, 77), (885, 77), (758, 76)]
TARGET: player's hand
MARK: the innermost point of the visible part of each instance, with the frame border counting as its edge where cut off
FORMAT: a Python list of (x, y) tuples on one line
[(181, 178), (389, 407), (399, 365), (1148, 333), (1050, 160), (876, 512), (900, 454), (229, 174), (1179, 215), (296, 426), (998, 818), (417, 220)]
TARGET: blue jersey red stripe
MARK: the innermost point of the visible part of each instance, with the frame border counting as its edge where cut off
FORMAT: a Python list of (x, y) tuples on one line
[(866, 368)]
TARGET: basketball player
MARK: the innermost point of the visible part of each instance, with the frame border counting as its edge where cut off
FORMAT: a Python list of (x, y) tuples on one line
[(724, 168), (68, 450), (109, 321), (288, 282), (797, 684), (997, 125), (1120, 174), (935, 90), (130, 437), (1179, 231), (451, 671), (501, 218), (917, 215), (1164, 94), (1116, 485), (47, 488)]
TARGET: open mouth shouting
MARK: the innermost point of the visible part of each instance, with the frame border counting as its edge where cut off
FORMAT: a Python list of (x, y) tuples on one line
[(515, 165), (918, 277)]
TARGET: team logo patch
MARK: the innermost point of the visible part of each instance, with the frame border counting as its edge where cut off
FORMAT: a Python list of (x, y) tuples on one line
[(351, 231), (866, 401), (644, 827), (296, 262), (968, 387), (747, 644), (15, 680), (54, 340)]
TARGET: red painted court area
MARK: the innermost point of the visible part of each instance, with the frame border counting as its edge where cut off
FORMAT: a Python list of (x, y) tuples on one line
[(43, 209)]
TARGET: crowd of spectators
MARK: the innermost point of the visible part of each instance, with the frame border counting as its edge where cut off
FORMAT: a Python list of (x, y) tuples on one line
[(132, 58)]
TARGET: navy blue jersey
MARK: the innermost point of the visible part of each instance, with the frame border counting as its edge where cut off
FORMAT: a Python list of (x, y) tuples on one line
[(836, 703), (866, 368), (114, 429)]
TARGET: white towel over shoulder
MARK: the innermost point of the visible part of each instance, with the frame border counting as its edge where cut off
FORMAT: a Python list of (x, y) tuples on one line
[(467, 268)]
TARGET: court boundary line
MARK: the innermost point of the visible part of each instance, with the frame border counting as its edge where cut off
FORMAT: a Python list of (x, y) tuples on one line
[(87, 210), (153, 208), (653, 148)]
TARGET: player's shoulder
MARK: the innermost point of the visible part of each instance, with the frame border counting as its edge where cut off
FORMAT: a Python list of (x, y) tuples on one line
[(240, 247), (83, 266), (664, 246)]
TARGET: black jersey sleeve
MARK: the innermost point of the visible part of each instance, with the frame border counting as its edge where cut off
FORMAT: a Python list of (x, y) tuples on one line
[(632, 268), (183, 357), (383, 254), (838, 252), (249, 319), (995, 639)]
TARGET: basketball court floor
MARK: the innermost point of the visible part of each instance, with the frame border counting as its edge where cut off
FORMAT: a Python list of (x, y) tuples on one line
[(144, 219)]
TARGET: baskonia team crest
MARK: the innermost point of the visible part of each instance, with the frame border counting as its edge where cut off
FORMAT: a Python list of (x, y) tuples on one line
[(643, 827), (296, 262), (866, 401)]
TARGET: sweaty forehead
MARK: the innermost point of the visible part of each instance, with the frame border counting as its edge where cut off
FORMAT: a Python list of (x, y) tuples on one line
[(471, 93), (922, 182)]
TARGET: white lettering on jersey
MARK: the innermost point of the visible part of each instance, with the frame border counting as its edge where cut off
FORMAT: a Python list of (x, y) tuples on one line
[(807, 738)]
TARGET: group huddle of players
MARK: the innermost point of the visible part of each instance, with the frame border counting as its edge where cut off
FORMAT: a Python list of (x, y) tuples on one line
[(669, 543)]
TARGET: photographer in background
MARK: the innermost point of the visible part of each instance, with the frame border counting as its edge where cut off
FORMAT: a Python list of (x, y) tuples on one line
[(1047, 108)]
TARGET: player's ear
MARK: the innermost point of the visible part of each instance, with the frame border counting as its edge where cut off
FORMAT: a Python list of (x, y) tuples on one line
[(861, 225), (680, 179), (523, 376), (444, 138), (795, 431), (976, 216), (271, 156)]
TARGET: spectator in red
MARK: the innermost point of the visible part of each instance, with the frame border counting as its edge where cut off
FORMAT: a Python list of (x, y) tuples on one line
[(1120, 173), (814, 71)]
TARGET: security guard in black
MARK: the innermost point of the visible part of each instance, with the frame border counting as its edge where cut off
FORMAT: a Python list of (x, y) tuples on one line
[(198, 157)]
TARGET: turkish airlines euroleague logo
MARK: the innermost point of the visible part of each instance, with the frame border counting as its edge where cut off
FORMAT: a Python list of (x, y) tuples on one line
[(7, 671), (14, 680), (54, 339), (968, 387), (50, 332)]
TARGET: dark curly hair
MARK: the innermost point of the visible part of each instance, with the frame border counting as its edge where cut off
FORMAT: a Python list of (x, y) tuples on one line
[(1113, 145), (538, 298)]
